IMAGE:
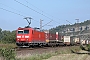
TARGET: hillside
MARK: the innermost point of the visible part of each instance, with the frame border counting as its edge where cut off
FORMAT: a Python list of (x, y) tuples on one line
[(63, 28)]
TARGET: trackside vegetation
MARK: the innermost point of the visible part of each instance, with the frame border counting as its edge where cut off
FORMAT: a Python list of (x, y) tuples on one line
[(53, 53), (7, 43), (7, 36), (88, 47), (7, 53)]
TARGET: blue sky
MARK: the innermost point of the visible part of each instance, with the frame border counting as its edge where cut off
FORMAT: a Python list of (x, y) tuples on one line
[(57, 10)]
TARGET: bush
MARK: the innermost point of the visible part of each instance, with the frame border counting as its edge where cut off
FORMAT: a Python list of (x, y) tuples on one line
[(88, 46), (8, 53), (83, 48)]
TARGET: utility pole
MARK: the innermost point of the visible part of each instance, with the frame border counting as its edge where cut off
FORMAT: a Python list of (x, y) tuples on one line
[(77, 24), (44, 24), (41, 24)]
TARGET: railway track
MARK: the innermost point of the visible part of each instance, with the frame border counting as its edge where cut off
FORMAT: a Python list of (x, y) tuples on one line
[(42, 48), (24, 52), (39, 47)]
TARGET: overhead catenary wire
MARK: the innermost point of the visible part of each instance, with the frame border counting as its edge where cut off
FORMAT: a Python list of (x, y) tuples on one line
[(69, 22), (36, 11), (33, 5), (32, 9), (15, 13), (42, 11), (12, 8), (12, 12), (47, 23), (15, 10), (24, 15)]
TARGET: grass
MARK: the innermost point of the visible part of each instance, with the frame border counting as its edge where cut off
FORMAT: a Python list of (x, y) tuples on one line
[(50, 54), (7, 52), (7, 45), (44, 55)]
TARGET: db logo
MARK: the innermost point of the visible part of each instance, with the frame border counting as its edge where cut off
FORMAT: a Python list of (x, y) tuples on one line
[(23, 36)]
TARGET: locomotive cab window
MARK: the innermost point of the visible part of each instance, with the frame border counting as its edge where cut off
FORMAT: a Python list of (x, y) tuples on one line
[(20, 32), (26, 31)]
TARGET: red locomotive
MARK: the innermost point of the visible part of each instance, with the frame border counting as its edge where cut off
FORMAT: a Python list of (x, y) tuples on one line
[(29, 36)]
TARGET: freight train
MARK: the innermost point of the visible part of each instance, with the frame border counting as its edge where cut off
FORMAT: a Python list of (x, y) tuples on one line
[(32, 37)]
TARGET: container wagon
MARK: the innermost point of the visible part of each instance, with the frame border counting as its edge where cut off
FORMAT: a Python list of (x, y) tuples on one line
[(68, 40)]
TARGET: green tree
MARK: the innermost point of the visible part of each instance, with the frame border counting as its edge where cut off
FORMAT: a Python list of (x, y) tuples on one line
[(0, 33), (8, 37)]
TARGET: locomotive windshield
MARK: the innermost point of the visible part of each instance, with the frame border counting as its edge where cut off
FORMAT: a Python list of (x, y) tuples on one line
[(23, 31), (20, 32), (26, 31)]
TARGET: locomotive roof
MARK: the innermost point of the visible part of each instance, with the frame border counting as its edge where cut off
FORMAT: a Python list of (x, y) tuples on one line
[(25, 28), (37, 29)]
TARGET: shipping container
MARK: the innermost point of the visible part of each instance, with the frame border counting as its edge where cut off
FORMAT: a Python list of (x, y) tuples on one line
[(77, 40), (87, 42), (83, 42), (68, 40), (60, 38), (51, 37)]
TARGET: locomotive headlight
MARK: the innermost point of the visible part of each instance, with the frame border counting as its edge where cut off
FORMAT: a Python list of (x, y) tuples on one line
[(18, 39), (18, 36), (26, 36), (26, 39)]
